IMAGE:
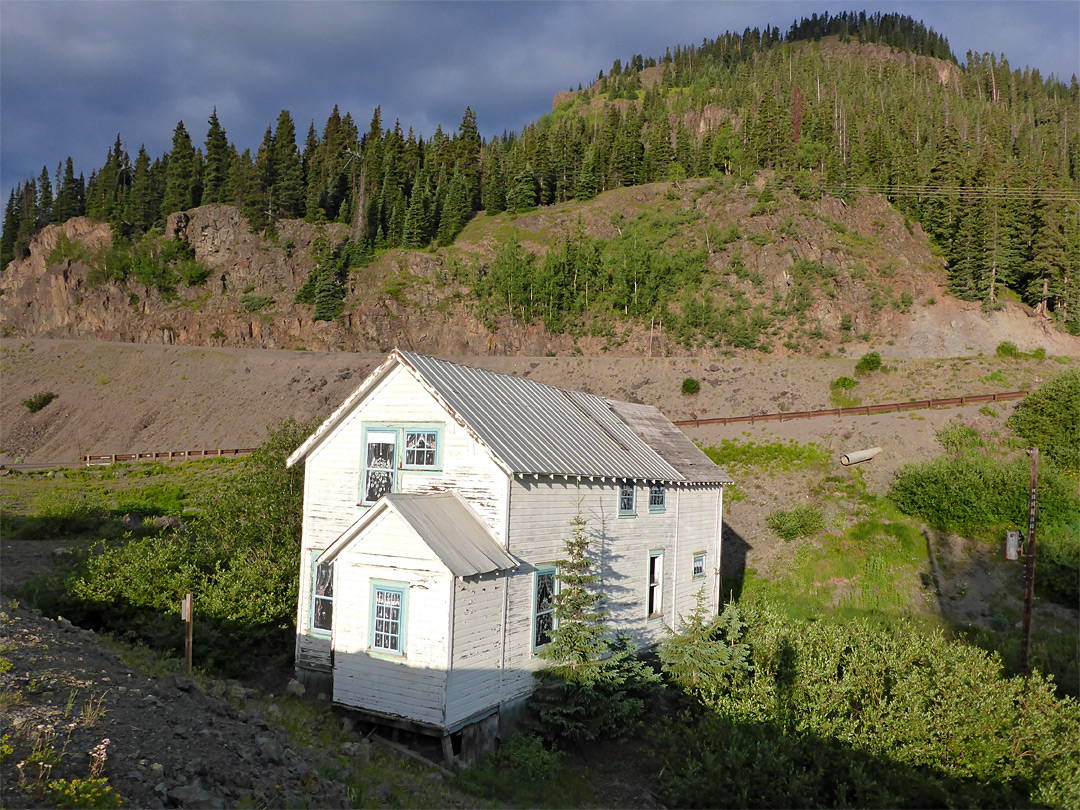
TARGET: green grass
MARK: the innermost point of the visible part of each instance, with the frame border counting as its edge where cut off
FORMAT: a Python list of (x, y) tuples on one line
[(787, 456)]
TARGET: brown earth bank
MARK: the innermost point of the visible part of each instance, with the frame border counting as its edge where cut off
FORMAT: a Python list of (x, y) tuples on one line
[(125, 398)]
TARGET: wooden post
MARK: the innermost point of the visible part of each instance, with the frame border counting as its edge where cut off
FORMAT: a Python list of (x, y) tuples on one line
[(1029, 569), (186, 613)]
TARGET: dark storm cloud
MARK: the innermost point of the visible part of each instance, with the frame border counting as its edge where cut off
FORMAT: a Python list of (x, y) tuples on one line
[(74, 74)]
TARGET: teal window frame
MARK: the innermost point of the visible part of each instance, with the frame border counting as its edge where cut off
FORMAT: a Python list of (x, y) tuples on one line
[(539, 571), (436, 465), (624, 486), (657, 497), (654, 586), (698, 555), (401, 589), (401, 431), (320, 631)]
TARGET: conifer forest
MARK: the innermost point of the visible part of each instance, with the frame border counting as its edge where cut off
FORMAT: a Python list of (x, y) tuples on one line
[(984, 156)]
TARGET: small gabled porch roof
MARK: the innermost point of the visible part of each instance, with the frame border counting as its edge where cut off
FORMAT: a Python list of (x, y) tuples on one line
[(446, 524)]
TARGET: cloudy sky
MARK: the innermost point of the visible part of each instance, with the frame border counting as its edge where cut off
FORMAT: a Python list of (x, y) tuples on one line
[(74, 74)]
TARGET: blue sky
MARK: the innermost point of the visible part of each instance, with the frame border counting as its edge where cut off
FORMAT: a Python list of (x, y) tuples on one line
[(75, 74)]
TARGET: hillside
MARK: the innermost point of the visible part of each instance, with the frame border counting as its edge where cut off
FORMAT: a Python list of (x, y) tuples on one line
[(783, 275)]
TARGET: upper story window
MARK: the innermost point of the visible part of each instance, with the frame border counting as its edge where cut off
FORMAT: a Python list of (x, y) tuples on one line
[(657, 497), (626, 498), (390, 449), (421, 449)]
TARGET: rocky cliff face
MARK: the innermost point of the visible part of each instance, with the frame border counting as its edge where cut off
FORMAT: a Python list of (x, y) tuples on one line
[(40, 299)]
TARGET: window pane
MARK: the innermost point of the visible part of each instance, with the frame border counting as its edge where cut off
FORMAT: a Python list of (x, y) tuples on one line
[(656, 495), (545, 592), (322, 598), (545, 623), (699, 566), (420, 448), (387, 635), (380, 451), (626, 497), (378, 483)]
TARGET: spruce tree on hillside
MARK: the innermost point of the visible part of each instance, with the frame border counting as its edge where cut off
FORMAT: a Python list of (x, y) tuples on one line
[(180, 179), (11, 228), (287, 172), (45, 199), (218, 159), (455, 210), (522, 196), (139, 209)]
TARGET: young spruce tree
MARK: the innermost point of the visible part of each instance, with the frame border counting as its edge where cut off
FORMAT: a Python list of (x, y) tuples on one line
[(591, 688)]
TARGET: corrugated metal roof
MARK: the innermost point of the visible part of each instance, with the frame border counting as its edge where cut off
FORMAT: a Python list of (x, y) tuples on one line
[(540, 429), (659, 433), (453, 531)]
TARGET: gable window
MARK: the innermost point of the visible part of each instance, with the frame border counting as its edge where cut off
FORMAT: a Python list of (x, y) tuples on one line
[(626, 498), (322, 596), (390, 450), (655, 601), (699, 565), (389, 613), (379, 462), (657, 497), (543, 605), (421, 449)]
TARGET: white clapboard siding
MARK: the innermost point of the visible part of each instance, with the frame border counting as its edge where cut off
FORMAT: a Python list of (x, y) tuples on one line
[(476, 658), (698, 525), (332, 483), (412, 686), (540, 515)]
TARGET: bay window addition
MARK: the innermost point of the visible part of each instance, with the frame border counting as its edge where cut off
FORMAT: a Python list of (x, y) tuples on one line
[(322, 597), (389, 615), (544, 585), (655, 597)]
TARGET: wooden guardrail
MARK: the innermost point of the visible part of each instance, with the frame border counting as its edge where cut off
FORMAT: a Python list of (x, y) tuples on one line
[(170, 455), (859, 410)]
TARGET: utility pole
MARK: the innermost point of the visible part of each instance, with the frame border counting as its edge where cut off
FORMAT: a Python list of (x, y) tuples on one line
[(1029, 570)]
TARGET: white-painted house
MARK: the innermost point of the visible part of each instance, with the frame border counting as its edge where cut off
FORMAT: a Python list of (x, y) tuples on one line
[(437, 498)]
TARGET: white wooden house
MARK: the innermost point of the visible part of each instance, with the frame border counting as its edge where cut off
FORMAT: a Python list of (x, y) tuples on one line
[(437, 498)]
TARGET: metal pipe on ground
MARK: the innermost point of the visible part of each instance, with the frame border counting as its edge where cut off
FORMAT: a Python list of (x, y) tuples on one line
[(859, 456)]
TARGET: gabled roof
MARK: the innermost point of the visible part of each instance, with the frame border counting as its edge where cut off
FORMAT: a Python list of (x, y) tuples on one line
[(535, 429), (446, 523)]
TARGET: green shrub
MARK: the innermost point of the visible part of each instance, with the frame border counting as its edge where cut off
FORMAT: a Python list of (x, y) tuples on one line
[(39, 401), (1049, 418), (843, 383), (239, 556), (1007, 349), (802, 521), (977, 496), (253, 303), (523, 773), (862, 714), (867, 363), (958, 436), (691, 385)]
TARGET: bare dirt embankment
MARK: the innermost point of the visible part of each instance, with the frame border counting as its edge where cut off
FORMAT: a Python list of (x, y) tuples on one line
[(126, 398)]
